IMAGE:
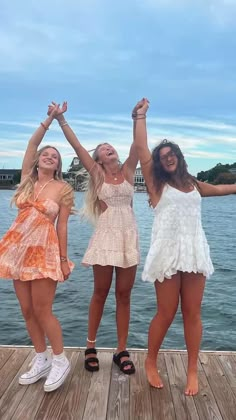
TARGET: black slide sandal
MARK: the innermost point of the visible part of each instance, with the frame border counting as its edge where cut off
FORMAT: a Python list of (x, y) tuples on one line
[(117, 360), (89, 360)]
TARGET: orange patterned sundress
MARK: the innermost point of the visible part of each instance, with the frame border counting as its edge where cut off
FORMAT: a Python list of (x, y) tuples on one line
[(30, 248)]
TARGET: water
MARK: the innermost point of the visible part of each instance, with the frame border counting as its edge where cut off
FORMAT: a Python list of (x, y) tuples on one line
[(72, 299)]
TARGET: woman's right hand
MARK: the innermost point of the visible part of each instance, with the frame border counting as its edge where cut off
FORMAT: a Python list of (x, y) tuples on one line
[(141, 107), (55, 111)]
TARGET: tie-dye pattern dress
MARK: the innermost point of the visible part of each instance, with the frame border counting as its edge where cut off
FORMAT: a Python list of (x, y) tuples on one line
[(30, 248)]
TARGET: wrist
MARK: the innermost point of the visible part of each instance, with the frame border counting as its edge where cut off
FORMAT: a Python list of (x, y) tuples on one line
[(140, 113), (63, 258), (62, 121), (60, 118), (46, 124), (136, 116)]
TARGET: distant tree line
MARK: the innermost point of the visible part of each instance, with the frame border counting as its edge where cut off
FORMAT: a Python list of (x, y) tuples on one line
[(220, 174)]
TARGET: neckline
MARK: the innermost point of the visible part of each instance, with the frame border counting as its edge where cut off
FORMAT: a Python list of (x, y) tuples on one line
[(42, 188), (116, 185), (46, 199), (184, 192)]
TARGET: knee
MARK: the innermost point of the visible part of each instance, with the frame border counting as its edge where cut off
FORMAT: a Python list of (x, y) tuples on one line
[(192, 314), (123, 297), (42, 312), (27, 312), (100, 295), (166, 315)]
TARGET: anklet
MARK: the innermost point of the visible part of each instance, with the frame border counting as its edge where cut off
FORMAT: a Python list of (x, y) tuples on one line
[(91, 341)]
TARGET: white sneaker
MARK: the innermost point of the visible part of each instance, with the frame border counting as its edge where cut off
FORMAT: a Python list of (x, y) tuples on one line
[(39, 369), (57, 375)]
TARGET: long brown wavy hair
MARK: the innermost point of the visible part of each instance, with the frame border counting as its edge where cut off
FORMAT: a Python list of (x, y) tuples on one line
[(161, 177), (26, 188)]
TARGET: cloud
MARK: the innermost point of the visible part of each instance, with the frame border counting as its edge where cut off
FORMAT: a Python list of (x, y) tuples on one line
[(103, 56)]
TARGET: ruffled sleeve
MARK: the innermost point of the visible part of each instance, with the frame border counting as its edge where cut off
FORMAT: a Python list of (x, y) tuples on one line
[(67, 196)]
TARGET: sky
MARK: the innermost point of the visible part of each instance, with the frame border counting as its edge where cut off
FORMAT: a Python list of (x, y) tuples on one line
[(102, 57)]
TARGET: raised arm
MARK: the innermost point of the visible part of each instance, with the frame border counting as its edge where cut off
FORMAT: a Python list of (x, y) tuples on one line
[(140, 140), (208, 190), (131, 162), (33, 145), (69, 134)]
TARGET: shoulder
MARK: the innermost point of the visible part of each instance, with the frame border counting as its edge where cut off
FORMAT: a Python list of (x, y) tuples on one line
[(66, 194)]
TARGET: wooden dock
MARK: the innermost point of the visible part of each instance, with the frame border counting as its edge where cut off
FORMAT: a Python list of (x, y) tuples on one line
[(110, 395)]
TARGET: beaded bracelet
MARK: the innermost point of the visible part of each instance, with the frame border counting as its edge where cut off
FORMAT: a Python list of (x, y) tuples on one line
[(134, 114), (139, 118), (44, 126), (91, 341), (62, 124)]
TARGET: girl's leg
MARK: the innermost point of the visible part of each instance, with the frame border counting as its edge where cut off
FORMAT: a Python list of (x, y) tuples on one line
[(43, 293), (192, 288), (36, 333), (102, 284), (41, 364), (124, 283), (167, 294)]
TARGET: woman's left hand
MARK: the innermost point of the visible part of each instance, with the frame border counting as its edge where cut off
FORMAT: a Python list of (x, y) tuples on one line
[(65, 269)]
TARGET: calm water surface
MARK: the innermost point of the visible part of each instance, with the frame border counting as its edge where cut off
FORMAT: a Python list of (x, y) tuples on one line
[(72, 299)]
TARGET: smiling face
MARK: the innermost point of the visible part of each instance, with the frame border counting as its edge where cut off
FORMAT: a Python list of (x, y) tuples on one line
[(49, 159), (168, 159), (106, 153)]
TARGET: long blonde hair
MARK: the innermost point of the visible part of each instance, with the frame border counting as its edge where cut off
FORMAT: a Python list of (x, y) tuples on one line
[(25, 189), (92, 185)]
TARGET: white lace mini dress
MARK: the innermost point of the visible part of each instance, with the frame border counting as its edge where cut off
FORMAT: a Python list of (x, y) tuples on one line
[(115, 240), (178, 242)]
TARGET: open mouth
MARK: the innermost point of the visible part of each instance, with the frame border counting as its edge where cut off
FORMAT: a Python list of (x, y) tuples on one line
[(109, 153), (48, 162)]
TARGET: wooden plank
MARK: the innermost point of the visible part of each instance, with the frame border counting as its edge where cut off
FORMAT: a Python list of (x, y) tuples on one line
[(77, 394), (15, 392), (96, 404), (11, 367), (86, 396), (53, 401), (162, 402), (228, 364), (205, 401), (140, 397), (118, 403), (5, 353), (224, 395), (185, 408)]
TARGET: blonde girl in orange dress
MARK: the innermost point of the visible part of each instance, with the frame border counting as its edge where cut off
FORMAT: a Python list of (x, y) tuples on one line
[(114, 244), (34, 254)]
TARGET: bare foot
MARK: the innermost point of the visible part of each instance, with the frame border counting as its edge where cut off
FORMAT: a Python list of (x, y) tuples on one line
[(152, 374), (192, 384)]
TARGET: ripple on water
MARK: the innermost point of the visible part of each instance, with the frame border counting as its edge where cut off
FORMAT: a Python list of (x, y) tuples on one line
[(72, 299)]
